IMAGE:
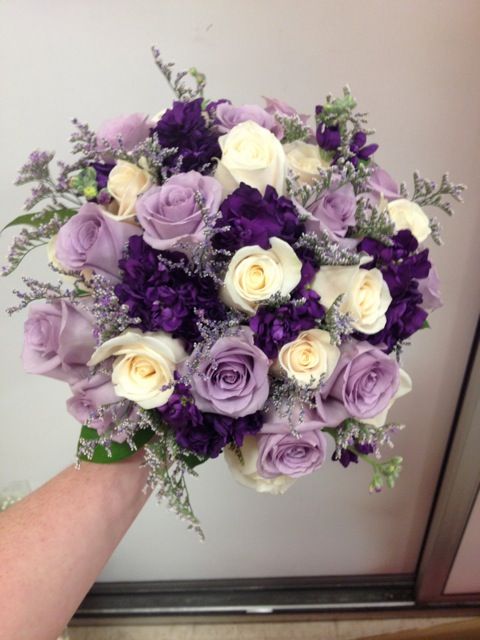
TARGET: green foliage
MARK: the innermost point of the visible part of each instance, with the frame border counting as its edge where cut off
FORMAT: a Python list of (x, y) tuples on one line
[(117, 450), (39, 218)]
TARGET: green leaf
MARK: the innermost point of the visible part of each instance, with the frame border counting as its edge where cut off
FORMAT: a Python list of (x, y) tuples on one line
[(191, 460), (36, 219), (120, 450), (425, 325)]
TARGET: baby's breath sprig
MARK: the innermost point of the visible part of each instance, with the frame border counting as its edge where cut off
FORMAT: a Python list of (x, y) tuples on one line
[(326, 251)]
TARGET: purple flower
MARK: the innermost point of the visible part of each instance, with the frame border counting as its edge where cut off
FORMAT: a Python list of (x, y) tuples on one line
[(402, 268), (333, 212), (429, 289), (91, 240), (165, 298), (275, 327), (234, 379), (228, 116), (380, 183), (131, 129), (363, 384), (347, 456), (253, 219), (184, 127), (216, 431), (329, 138), (171, 212), (102, 170), (275, 106), (58, 341), (89, 394), (280, 452), (206, 434)]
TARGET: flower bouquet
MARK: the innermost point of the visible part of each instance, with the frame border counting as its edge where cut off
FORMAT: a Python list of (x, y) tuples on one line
[(232, 279)]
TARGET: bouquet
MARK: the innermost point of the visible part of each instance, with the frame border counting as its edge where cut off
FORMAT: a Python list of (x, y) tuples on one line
[(230, 279)]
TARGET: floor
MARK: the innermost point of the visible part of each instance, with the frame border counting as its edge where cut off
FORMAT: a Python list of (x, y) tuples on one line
[(333, 630)]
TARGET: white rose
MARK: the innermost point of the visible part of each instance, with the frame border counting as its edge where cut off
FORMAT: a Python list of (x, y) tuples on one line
[(144, 365), (310, 357), (125, 183), (404, 388), (305, 160), (409, 215), (255, 274), (253, 155), (247, 473), (366, 296)]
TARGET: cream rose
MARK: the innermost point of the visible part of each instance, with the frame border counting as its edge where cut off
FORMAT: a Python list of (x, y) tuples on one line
[(366, 297), (125, 183), (309, 358), (144, 365), (409, 215), (305, 160), (253, 155), (247, 473), (404, 388), (255, 274)]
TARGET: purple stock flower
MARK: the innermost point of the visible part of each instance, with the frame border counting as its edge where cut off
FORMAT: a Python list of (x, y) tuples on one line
[(205, 434), (102, 170), (329, 138), (253, 219), (184, 127), (347, 456), (402, 267), (233, 380), (275, 327), (165, 298)]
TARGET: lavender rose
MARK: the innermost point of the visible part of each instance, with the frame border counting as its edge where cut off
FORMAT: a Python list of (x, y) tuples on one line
[(278, 107), (429, 288), (131, 130), (91, 240), (334, 212), (363, 384), (381, 184), (58, 341), (89, 394), (171, 212), (282, 453), (234, 380), (229, 116)]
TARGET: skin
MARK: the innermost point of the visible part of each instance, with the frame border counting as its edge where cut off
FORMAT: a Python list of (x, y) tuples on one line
[(55, 542)]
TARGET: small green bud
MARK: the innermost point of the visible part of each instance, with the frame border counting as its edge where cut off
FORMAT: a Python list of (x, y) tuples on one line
[(90, 192)]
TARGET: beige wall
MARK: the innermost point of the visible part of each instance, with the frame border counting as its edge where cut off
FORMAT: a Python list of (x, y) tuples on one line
[(414, 65)]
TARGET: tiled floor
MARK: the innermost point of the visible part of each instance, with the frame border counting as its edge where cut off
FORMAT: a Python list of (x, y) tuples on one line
[(337, 630)]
